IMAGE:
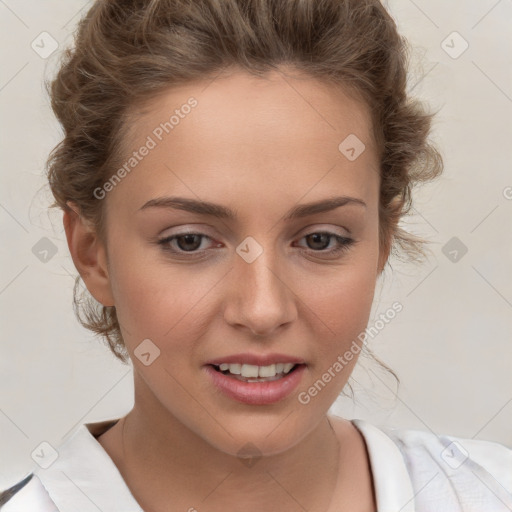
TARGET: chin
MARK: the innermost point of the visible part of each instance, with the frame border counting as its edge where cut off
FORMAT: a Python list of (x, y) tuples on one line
[(259, 434)]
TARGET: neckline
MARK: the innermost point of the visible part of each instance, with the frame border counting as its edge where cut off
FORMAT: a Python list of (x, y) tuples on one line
[(83, 459), (100, 427)]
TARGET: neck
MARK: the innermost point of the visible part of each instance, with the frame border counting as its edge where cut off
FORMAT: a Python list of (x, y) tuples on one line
[(163, 461)]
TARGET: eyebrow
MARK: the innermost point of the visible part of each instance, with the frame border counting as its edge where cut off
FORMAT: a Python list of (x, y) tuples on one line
[(223, 212)]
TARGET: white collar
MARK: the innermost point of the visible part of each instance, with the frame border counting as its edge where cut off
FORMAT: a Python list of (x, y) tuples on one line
[(393, 486), (84, 477)]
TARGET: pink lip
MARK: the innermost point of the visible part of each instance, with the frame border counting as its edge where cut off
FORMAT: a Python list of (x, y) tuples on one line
[(255, 393), (255, 359)]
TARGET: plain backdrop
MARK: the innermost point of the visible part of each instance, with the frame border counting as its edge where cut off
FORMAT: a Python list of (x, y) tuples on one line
[(451, 345)]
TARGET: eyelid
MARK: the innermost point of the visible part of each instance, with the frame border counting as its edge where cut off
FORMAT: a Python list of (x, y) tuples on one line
[(321, 228), (192, 229)]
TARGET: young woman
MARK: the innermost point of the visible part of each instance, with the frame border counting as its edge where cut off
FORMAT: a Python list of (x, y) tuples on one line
[(232, 176)]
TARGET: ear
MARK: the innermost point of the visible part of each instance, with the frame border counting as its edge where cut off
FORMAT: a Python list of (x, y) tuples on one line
[(89, 255)]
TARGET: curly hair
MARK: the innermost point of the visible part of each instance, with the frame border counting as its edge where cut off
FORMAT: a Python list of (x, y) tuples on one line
[(128, 51)]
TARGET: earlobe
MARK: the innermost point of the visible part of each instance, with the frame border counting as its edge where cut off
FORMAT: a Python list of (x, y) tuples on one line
[(88, 254)]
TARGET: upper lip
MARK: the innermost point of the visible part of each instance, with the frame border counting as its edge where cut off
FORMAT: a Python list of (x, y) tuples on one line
[(255, 359)]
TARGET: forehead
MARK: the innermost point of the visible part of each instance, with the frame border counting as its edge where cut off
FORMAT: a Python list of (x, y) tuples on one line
[(244, 100), (243, 131)]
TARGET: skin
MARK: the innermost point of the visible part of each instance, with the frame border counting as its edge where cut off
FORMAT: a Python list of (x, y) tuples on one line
[(259, 146)]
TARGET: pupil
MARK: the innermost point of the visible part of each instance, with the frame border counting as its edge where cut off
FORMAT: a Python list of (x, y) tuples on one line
[(316, 237), (187, 238)]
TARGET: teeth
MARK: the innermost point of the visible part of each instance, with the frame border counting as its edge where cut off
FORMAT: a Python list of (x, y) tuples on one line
[(288, 367), (249, 370), (267, 371), (235, 369), (253, 371)]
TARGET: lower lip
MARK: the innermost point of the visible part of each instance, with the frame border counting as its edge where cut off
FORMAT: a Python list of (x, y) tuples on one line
[(256, 393)]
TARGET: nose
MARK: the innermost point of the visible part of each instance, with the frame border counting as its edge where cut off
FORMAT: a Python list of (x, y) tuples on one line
[(260, 297)]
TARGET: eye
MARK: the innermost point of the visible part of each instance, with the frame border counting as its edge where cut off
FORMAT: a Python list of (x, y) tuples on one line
[(319, 241), (185, 242)]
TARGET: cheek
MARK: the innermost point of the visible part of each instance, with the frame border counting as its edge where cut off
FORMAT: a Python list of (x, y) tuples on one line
[(344, 308), (156, 300), (346, 294), (343, 304), (343, 297)]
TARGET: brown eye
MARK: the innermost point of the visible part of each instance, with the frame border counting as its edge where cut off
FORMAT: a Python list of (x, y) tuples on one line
[(320, 241), (184, 243), (188, 242)]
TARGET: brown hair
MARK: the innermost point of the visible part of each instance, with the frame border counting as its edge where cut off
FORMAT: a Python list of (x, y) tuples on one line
[(128, 51)]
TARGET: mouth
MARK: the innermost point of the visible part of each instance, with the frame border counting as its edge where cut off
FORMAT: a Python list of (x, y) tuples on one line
[(254, 379), (255, 373)]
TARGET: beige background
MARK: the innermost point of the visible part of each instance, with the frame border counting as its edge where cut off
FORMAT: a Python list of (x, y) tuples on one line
[(452, 343)]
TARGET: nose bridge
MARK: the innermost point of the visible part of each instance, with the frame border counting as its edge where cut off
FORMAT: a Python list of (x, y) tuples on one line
[(260, 298)]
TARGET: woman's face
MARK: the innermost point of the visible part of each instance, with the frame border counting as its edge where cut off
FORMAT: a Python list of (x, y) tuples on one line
[(262, 288)]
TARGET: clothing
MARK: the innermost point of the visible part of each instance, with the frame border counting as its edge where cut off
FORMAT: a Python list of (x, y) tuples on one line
[(413, 471)]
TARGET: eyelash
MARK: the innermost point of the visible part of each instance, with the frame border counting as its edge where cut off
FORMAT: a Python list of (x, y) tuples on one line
[(344, 244)]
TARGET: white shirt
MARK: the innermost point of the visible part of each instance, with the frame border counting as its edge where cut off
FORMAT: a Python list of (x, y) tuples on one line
[(413, 471)]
